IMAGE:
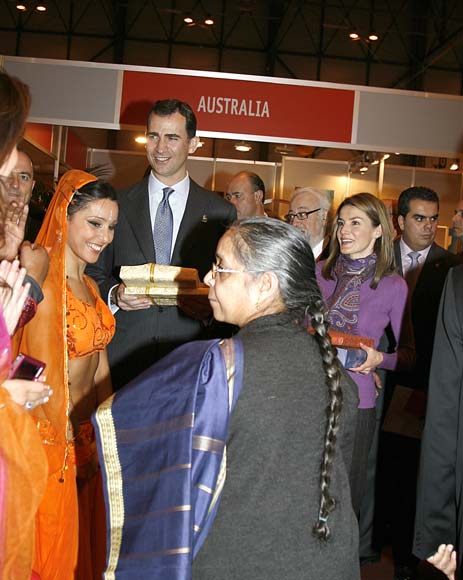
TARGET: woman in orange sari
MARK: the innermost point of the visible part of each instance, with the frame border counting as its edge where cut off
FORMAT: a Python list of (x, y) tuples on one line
[(70, 332)]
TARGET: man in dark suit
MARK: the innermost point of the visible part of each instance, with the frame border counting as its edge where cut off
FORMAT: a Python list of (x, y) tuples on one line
[(166, 218), (439, 518), (424, 265)]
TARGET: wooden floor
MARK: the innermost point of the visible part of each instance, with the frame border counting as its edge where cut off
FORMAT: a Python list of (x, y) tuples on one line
[(384, 570)]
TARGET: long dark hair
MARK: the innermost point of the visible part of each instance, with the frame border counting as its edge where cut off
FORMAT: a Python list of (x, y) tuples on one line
[(383, 248), (266, 245), (90, 192)]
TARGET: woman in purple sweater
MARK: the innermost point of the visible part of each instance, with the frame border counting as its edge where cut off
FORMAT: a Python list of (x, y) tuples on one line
[(364, 296)]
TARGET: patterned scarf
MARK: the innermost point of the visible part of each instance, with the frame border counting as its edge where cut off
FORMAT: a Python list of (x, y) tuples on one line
[(344, 303)]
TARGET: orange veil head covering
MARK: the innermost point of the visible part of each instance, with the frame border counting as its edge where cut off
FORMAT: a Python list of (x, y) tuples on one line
[(44, 337)]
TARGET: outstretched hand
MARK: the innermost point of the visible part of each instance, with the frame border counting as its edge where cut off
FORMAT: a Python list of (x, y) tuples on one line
[(15, 226), (13, 294)]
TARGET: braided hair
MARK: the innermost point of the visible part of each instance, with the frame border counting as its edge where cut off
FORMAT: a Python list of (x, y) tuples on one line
[(268, 245)]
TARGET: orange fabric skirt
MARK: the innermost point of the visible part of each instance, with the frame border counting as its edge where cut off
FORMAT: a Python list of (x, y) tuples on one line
[(23, 477), (70, 524)]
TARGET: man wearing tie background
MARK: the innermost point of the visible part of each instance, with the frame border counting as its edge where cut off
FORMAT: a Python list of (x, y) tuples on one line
[(424, 264), (168, 219)]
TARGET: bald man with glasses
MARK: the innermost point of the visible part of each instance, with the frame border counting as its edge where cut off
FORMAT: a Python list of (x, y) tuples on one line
[(309, 213)]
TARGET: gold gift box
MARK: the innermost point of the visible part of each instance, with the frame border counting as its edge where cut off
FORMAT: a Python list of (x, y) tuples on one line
[(162, 284)]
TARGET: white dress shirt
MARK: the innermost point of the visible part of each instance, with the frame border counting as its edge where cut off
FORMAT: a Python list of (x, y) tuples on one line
[(406, 260)]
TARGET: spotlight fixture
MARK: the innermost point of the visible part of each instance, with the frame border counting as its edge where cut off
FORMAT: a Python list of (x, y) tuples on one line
[(243, 146), (363, 168), (209, 21), (454, 166), (141, 139), (386, 156), (41, 8), (200, 144), (188, 19), (372, 37), (21, 7)]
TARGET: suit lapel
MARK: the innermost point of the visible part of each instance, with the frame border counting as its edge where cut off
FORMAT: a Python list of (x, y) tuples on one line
[(398, 257), (137, 211), (192, 216)]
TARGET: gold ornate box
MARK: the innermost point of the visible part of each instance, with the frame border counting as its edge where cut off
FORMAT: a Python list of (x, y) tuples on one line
[(162, 284)]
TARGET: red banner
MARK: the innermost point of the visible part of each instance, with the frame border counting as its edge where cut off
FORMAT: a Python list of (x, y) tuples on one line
[(258, 108), (39, 134)]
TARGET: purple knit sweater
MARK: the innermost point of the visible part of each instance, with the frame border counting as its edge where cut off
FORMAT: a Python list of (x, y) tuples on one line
[(379, 307)]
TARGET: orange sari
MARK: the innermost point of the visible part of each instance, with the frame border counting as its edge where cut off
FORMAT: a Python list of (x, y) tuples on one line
[(57, 524), (23, 476)]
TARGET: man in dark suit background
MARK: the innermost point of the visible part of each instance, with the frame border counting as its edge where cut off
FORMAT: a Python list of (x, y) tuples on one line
[(197, 218), (424, 264), (439, 517)]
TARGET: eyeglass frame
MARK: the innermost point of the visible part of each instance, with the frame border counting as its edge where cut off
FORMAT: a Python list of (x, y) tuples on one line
[(289, 217), (218, 270)]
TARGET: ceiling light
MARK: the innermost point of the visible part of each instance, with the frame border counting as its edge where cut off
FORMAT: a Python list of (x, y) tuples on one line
[(201, 144), (21, 7), (375, 162), (354, 36), (140, 139), (243, 146), (188, 19), (41, 8), (209, 21), (373, 37), (284, 149), (386, 156), (363, 168), (454, 166)]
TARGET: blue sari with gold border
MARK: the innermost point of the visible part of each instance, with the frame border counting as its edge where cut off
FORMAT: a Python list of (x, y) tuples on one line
[(161, 441)]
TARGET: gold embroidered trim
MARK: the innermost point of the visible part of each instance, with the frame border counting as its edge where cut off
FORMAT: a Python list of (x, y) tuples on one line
[(205, 488), (171, 552), (157, 430), (112, 466), (155, 474), (174, 509), (228, 351), (204, 443)]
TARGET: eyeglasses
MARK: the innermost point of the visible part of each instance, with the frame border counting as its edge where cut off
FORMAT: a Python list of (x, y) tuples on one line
[(217, 270), (458, 212), (301, 215), (236, 195)]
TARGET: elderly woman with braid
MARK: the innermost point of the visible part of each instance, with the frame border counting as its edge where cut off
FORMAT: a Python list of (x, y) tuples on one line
[(230, 459)]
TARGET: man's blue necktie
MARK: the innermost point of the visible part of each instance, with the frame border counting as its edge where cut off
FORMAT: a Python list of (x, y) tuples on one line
[(163, 228)]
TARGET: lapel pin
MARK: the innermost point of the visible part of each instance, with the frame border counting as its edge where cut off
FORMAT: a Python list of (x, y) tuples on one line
[(204, 219)]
